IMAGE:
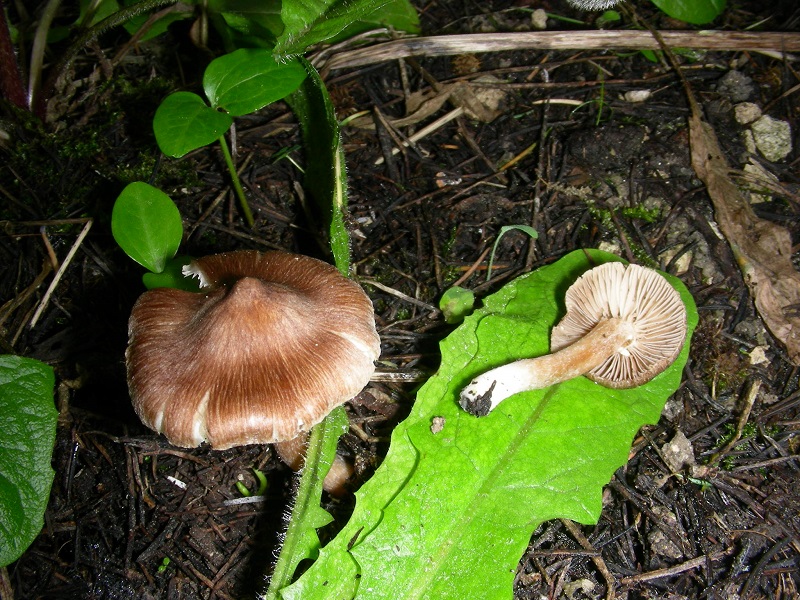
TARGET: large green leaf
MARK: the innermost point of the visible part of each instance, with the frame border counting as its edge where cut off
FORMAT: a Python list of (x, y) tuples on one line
[(248, 79), (325, 176), (698, 12), (147, 225), (184, 122), (309, 22), (246, 23), (29, 420), (450, 511), (397, 15)]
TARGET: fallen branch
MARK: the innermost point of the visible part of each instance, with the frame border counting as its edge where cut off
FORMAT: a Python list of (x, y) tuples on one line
[(447, 45)]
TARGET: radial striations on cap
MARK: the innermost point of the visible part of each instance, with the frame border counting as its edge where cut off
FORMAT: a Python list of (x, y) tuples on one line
[(272, 344)]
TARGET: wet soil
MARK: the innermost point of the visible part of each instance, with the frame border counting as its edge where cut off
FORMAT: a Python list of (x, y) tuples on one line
[(689, 516)]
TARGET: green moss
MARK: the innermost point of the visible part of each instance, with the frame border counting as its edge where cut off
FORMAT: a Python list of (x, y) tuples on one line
[(648, 215), (606, 215), (80, 165)]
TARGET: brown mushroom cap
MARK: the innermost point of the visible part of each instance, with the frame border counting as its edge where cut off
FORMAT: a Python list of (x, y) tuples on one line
[(633, 294), (272, 345)]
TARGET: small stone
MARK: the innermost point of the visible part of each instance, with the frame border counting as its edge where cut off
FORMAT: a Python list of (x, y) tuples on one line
[(437, 424), (637, 95), (678, 452), (612, 247), (673, 409), (737, 86), (489, 96), (586, 586), (681, 265), (660, 544), (539, 19), (758, 355), (772, 137), (749, 141), (752, 329), (746, 112)]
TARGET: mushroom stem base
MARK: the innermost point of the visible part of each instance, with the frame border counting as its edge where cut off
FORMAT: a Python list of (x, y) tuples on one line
[(293, 453), (486, 391)]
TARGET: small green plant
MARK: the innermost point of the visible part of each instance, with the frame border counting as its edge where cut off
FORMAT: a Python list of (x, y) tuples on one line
[(147, 226), (29, 420), (260, 489), (235, 84), (164, 564), (729, 433), (503, 230), (456, 303)]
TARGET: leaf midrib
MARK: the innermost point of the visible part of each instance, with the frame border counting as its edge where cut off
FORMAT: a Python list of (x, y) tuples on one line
[(459, 526)]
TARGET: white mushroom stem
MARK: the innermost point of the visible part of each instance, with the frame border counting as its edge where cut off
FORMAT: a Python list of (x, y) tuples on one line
[(293, 453), (486, 391)]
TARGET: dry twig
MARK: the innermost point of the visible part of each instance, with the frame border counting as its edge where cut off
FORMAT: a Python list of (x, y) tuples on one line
[(448, 45)]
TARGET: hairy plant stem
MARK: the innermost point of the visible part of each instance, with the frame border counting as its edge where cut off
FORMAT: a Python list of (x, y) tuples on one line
[(237, 184), (309, 492)]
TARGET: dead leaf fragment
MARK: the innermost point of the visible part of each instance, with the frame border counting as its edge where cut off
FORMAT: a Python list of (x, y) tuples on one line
[(762, 249), (480, 101)]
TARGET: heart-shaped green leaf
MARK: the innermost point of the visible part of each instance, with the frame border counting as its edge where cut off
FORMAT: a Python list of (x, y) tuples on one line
[(184, 122), (451, 509), (29, 420), (248, 79), (147, 225)]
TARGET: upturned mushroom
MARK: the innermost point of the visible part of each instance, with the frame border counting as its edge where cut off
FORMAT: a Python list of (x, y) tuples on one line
[(270, 346), (623, 326)]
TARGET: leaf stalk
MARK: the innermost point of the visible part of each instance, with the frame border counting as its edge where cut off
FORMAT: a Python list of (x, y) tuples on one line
[(237, 184)]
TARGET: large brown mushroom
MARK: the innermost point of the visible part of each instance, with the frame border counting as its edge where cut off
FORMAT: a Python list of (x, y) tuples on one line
[(623, 326), (270, 346)]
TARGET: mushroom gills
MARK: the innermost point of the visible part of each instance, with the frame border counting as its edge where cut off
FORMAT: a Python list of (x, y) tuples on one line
[(624, 325)]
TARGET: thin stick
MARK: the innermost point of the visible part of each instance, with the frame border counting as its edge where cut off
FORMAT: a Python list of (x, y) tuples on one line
[(744, 416), (447, 45), (676, 570), (427, 130), (597, 558), (237, 185), (473, 268), (60, 272), (401, 295)]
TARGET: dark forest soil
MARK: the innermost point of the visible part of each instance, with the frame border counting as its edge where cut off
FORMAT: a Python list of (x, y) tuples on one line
[(132, 517)]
